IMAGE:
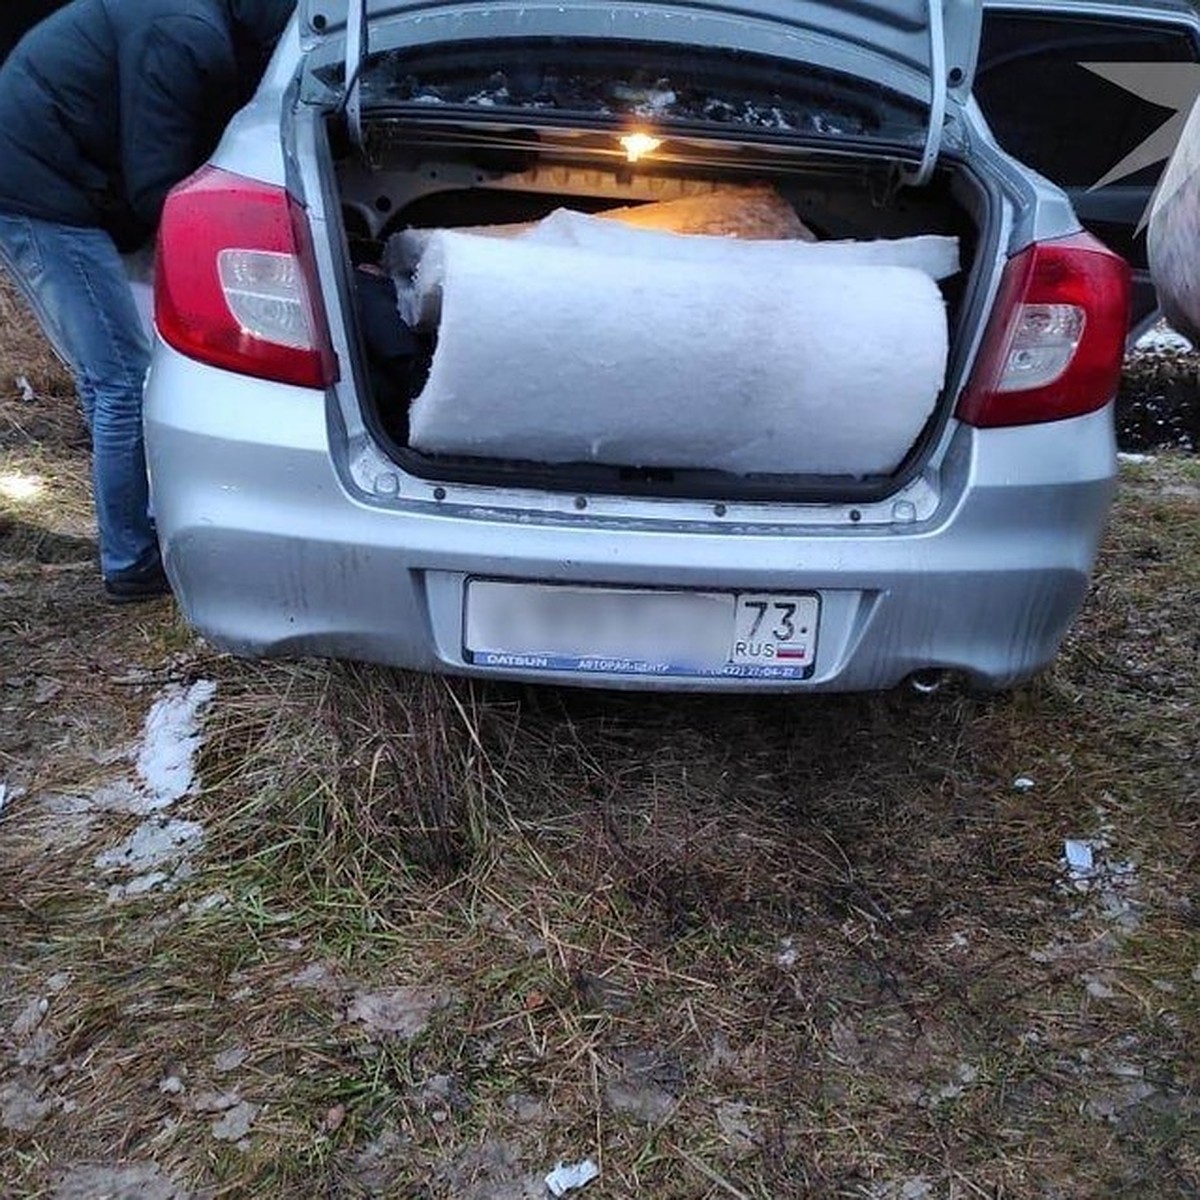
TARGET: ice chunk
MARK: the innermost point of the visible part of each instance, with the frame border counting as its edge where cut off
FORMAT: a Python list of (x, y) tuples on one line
[(777, 363)]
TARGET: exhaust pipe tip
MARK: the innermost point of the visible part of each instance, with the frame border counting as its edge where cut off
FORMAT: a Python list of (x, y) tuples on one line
[(930, 680)]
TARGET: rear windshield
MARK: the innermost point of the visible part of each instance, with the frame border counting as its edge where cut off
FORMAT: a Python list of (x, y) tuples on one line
[(669, 85)]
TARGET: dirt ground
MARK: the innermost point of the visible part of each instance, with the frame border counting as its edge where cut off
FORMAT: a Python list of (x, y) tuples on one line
[(324, 930)]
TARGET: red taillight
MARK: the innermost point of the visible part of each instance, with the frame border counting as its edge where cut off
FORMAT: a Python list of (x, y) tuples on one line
[(1056, 340), (235, 282)]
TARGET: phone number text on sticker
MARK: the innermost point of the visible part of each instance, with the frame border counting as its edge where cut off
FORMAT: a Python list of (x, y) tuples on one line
[(629, 631)]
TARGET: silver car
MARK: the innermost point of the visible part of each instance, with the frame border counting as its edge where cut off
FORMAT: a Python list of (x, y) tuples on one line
[(296, 518)]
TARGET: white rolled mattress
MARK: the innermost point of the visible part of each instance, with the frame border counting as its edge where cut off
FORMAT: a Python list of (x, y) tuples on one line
[(586, 341)]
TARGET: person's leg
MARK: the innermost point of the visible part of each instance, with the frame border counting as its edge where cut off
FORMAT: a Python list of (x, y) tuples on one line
[(77, 288)]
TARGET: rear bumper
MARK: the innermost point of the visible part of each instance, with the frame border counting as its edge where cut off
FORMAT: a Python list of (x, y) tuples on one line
[(270, 554)]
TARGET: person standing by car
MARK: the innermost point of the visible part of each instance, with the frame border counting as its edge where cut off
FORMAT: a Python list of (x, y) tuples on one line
[(105, 106)]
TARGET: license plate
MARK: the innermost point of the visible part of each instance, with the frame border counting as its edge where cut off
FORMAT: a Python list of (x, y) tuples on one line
[(629, 631)]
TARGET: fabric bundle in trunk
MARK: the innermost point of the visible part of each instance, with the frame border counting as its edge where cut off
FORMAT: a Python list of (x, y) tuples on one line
[(746, 357), (754, 211)]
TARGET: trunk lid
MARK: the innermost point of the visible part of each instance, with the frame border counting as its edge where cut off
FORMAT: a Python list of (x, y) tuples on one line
[(925, 50)]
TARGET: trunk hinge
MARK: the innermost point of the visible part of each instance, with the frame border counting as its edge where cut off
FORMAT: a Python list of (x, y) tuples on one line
[(937, 97), (356, 57)]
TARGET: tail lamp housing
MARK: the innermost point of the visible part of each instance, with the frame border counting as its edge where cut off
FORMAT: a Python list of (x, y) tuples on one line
[(236, 283), (1056, 341)]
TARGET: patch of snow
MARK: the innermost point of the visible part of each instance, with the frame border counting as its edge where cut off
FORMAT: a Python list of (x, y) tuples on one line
[(117, 796), (21, 1109), (211, 1102), (1134, 460), (209, 903), (1023, 783), (787, 956), (1163, 339), (156, 853), (230, 1059), (525, 1108), (399, 1012), (918, 1187), (140, 885), (172, 1085), (154, 843), (373, 1163), (733, 1120), (25, 388), (132, 1181), (166, 761), (315, 976), (965, 1075), (30, 1017), (646, 1090), (235, 1124), (1110, 1104), (568, 1177), (38, 1049)]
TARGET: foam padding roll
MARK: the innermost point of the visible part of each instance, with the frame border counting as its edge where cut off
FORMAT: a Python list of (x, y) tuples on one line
[(779, 364)]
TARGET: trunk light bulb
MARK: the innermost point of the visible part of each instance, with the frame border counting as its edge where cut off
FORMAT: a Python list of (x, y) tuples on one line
[(638, 144), (1043, 344), (265, 293)]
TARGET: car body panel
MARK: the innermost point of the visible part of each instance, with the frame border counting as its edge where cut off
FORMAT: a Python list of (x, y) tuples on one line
[(270, 554)]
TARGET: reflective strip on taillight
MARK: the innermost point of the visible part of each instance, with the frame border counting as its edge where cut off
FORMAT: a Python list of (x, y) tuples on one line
[(1054, 346), (235, 281)]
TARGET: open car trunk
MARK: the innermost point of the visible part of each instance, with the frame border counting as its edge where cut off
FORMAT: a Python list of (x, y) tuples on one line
[(455, 158)]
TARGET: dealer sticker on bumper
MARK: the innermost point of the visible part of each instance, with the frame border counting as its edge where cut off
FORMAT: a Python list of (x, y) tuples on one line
[(630, 631)]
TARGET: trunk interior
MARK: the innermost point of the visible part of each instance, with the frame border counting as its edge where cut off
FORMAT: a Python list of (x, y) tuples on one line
[(455, 170)]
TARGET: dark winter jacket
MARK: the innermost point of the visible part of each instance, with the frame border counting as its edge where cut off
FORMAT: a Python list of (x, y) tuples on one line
[(107, 104)]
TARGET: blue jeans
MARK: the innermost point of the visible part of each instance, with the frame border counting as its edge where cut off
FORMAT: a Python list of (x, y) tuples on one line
[(76, 284)]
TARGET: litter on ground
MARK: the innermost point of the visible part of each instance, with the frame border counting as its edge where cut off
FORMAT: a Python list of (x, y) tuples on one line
[(569, 1177)]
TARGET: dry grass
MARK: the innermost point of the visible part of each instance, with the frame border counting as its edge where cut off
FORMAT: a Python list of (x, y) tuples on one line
[(729, 948)]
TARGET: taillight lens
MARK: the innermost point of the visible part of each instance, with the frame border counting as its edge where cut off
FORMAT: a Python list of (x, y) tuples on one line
[(1056, 340), (235, 281)]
